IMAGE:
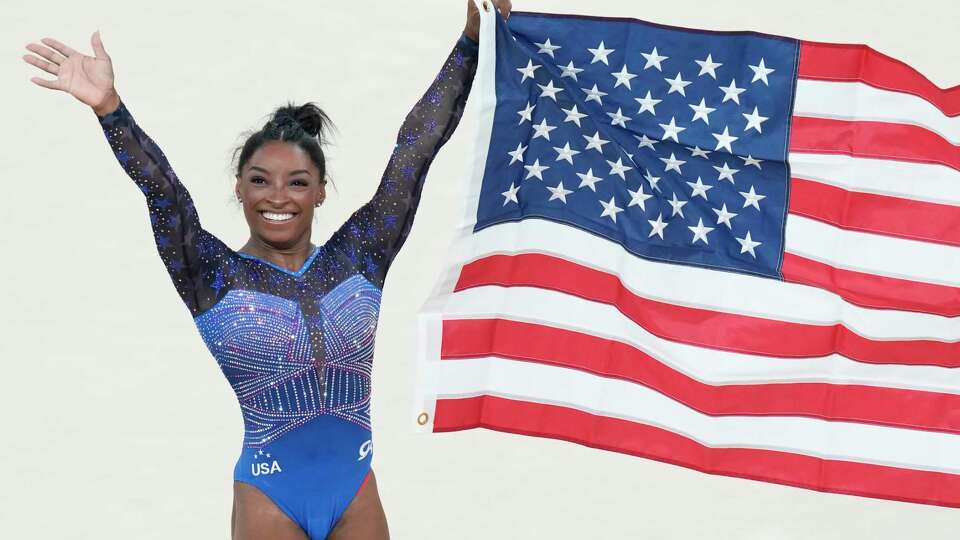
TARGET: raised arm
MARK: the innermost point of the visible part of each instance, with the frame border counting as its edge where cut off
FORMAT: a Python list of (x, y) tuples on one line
[(195, 260), (373, 235)]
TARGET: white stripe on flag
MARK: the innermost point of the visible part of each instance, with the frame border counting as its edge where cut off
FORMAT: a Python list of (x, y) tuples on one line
[(712, 366), (919, 181), (858, 101), (703, 288), (923, 450), (873, 253)]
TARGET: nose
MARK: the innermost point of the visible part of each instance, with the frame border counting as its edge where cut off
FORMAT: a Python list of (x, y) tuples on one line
[(278, 196)]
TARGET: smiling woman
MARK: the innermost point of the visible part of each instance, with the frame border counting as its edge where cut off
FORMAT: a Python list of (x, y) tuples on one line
[(281, 179), (291, 324)]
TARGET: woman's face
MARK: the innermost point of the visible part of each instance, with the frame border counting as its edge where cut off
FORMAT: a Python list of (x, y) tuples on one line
[(280, 187)]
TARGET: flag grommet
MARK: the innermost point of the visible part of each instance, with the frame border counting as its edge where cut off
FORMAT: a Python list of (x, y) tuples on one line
[(423, 419)]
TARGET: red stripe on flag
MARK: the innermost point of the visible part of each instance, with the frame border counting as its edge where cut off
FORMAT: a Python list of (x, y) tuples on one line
[(702, 327), (476, 338), (836, 62), (881, 214), (870, 290), (881, 140), (638, 439)]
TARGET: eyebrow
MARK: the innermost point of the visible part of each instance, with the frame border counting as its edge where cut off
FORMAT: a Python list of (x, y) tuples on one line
[(298, 171)]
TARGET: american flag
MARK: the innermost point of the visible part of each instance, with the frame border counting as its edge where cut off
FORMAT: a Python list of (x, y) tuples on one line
[(730, 251)]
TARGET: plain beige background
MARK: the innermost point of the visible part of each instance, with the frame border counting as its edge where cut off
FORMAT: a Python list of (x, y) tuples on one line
[(116, 422)]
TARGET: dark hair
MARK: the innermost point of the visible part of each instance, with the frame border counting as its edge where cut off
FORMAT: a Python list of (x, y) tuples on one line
[(306, 125)]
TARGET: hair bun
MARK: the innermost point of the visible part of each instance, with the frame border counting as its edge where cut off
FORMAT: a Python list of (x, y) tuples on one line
[(311, 119)]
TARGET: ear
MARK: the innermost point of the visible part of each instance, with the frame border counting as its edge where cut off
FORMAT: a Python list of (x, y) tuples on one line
[(236, 187), (321, 195)]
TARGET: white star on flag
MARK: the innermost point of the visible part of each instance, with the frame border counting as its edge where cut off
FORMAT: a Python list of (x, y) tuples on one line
[(623, 78), (517, 154), (653, 180), (595, 142), (594, 94), (671, 130), (645, 141), (760, 73), (559, 192), (701, 112), (600, 54), (648, 103), (699, 189), (658, 226), (677, 205), (573, 115), (566, 153), (529, 71), (638, 198), (527, 113), (653, 59), (549, 90), (535, 170), (611, 209), (510, 195), (750, 160), (751, 198), (543, 130), (747, 245), (732, 92), (696, 151), (619, 168), (700, 232), (726, 173), (672, 163), (618, 118), (708, 67), (547, 48), (589, 180), (724, 140), (570, 70), (724, 216), (677, 84), (754, 120)]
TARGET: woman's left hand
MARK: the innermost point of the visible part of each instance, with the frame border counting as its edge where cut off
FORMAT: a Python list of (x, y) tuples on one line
[(472, 29)]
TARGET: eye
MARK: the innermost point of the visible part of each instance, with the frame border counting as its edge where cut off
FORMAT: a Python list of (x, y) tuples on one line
[(257, 180), (302, 183)]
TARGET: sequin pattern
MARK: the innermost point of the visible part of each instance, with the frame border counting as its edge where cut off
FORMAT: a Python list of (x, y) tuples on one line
[(296, 345)]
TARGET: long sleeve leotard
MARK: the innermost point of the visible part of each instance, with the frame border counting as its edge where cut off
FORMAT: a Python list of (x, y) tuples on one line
[(297, 347)]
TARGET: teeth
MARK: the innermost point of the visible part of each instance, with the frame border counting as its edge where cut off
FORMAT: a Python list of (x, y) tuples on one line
[(277, 217)]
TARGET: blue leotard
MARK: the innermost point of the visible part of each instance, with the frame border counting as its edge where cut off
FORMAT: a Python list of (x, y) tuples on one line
[(297, 347)]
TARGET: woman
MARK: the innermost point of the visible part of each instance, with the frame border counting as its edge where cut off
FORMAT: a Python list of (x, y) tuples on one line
[(291, 324)]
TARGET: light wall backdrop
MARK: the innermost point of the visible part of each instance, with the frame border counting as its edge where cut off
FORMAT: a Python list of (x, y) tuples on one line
[(116, 422)]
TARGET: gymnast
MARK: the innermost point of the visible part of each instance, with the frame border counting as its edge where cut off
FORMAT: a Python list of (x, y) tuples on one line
[(291, 324)]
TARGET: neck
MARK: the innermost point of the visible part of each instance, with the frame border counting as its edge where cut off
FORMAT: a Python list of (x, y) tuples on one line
[(290, 257)]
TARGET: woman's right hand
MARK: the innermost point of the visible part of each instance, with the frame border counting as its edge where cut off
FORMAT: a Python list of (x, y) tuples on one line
[(87, 78)]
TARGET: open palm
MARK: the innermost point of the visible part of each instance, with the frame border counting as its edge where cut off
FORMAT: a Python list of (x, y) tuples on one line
[(87, 78)]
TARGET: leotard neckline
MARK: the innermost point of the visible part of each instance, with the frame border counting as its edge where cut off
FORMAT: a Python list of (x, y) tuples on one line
[(298, 273)]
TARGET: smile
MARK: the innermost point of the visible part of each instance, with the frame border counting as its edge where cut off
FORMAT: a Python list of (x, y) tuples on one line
[(277, 218)]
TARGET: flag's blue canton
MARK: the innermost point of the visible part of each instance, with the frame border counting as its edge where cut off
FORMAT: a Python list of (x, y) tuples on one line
[(672, 143)]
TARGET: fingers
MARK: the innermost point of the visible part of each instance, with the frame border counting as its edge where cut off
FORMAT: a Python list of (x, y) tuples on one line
[(98, 50), (47, 53), (506, 6), (52, 85), (59, 47), (49, 67)]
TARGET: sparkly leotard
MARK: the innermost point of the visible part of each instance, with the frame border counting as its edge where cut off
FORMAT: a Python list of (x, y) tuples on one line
[(297, 347)]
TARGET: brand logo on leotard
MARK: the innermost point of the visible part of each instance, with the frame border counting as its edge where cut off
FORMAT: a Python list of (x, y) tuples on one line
[(365, 449), (264, 464)]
